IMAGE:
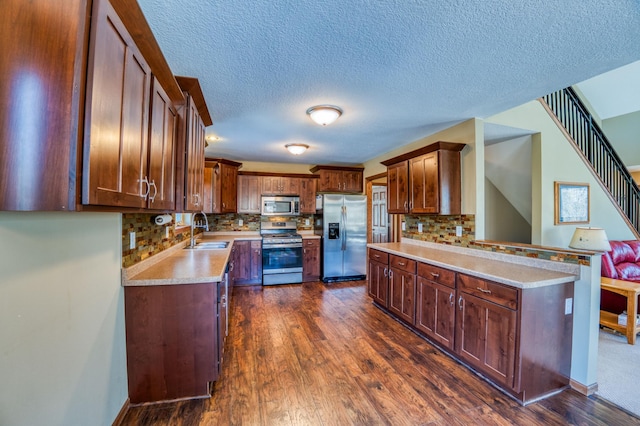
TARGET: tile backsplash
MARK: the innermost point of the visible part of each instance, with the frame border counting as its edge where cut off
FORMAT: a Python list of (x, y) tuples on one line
[(441, 229), (251, 222)]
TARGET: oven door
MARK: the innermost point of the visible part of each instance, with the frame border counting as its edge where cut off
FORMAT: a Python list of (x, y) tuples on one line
[(281, 258)]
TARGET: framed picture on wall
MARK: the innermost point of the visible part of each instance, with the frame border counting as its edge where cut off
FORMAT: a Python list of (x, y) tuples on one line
[(571, 203)]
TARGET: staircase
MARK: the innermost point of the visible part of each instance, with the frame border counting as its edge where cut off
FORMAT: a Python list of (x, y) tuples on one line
[(587, 138)]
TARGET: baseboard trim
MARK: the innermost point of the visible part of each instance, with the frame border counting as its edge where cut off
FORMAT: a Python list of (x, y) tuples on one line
[(123, 412), (584, 389)]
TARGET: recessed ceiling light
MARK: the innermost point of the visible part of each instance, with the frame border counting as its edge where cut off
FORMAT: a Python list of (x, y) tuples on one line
[(212, 138), (296, 148), (324, 114)]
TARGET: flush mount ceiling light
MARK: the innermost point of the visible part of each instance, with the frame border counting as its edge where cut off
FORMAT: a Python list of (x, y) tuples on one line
[(324, 114), (296, 148)]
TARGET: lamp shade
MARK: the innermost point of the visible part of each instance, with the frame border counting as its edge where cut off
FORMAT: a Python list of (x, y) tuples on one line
[(594, 239), (296, 148), (324, 114)]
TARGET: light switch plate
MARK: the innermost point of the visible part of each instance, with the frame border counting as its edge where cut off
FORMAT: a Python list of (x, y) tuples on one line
[(568, 306), (132, 240), (404, 226), (458, 231), (240, 222), (166, 232), (306, 222), (419, 227)]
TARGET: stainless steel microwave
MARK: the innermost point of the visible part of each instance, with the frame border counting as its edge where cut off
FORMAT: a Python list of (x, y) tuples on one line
[(280, 206)]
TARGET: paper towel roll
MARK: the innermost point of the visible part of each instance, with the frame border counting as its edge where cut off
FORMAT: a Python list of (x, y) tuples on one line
[(163, 219)]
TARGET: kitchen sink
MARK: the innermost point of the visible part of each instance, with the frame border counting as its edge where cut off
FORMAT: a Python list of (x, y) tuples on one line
[(210, 245)]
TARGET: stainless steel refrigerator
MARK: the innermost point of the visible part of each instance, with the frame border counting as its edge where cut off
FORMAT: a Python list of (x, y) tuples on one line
[(344, 237)]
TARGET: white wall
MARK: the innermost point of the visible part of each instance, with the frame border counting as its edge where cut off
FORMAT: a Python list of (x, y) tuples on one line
[(62, 342), (624, 133), (502, 221)]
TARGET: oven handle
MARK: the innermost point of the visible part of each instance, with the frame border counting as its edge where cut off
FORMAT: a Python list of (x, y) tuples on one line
[(286, 245)]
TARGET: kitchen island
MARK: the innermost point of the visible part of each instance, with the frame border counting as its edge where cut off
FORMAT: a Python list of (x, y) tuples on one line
[(509, 322), (176, 306)]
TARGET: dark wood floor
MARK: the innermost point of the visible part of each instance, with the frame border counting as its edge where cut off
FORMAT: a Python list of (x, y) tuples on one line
[(316, 354)]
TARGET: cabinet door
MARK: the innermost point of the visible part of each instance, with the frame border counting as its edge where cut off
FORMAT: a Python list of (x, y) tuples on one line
[(241, 262), (435, 311), (424, 184), (402, 291), (310, 260), (42, 42), (352, 181), (207, 190), (270, 185), (398, 187), (256, 262), (330, 181), (307, 196), (249, 194), (228, 188), (486, 337), (378, 282), (162, 139), (116, 120), (195, 159)]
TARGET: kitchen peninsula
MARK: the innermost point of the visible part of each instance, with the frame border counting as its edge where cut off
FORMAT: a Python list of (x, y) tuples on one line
[(509, 322)]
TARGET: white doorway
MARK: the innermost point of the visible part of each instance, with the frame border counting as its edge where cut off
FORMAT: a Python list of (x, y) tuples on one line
[(379, 216)]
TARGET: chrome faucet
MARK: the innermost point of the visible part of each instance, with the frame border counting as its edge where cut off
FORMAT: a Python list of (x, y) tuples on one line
[(195, 225)]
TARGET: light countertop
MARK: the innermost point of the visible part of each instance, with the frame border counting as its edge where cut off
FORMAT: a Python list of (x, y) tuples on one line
[(510, 273), (183, 266)]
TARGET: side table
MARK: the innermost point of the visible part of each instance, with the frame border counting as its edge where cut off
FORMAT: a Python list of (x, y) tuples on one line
[(630, 290)]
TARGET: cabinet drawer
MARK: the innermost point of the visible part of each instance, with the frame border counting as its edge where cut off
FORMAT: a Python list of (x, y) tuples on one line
[(379, 256), (402, 263), (493, 292), (256, 244), (439, 275), (308, 242)]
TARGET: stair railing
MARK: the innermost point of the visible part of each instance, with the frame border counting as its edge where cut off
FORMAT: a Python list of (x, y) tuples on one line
[(596, 149)]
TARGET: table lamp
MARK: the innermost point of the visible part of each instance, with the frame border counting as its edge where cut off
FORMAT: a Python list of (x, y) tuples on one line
[(594, 239)]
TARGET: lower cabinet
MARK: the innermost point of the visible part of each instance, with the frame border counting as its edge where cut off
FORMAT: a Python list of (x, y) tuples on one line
[(519, 338), (246, 262), (378, 277), (174, 342), (402, 288), (435, 304), (310, 259)]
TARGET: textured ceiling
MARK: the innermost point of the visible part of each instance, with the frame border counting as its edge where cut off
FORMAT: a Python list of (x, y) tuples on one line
[(400, 69)]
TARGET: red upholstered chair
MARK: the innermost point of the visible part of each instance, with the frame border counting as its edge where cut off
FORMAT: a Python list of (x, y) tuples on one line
[(622, 262)]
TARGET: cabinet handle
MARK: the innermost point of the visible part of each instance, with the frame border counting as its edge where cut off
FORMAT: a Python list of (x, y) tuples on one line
[(405, 205), (385, 272), (483, 290), (304, 251), (309, 243), (410, 205), (451, 298), (224, 206), (338, 185), (390, 273), (145, 181), (436, 275), (460, 302), (401, 263), (377, 256), (344, 185), (231, 267), (155, 190)]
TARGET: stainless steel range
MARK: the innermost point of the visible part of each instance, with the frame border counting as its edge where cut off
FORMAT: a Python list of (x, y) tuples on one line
[(281, 253)]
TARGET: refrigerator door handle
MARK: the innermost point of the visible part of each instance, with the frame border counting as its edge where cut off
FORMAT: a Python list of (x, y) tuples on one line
[(343, 224)]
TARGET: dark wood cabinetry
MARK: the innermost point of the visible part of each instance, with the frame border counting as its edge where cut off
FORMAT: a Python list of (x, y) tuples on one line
[(172, 341), (339, 179), (518, 338), (435, 304), (280, 185), (43, 70), (116, 117), (222, 188), (310, 259), (194, 166), (402, 288), (249, 187), (426, 181), (307, 195), (247, 262), (378, 277)]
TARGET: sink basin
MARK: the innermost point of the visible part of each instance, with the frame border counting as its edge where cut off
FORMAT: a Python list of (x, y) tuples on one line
[(210, 245)]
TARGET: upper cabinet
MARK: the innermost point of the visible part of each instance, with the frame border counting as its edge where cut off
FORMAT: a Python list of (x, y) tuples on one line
[(308, 195), (280, 185), (195, 116), (43, 70), (249, 187), (222, 189), (339, 179), (426, 181)]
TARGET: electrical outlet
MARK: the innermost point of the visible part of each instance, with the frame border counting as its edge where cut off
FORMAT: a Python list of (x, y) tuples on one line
[(166, 232), (404, 226), (458, 231), (132, 240), (568, 306), (240, 222), (420, 228), (306, 222)]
